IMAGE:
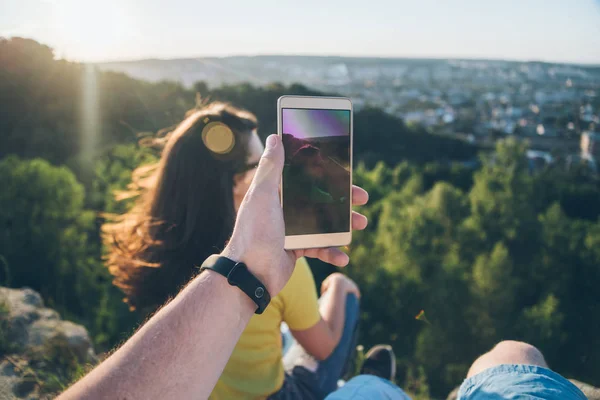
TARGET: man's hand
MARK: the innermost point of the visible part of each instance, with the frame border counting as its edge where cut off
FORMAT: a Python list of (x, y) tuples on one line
[(259, 234), (346, 284)]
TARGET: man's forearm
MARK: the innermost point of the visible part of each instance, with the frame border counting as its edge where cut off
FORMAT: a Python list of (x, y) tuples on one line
[(180, 352)]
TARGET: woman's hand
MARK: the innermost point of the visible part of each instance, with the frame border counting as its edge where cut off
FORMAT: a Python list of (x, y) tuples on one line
[(259, 234)]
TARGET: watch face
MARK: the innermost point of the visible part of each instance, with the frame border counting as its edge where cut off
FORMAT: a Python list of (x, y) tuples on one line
[(259, 293)]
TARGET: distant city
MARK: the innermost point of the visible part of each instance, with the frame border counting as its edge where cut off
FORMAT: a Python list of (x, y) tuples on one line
[(555, 106)]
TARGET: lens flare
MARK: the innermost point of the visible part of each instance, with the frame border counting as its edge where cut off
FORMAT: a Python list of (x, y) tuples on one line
[(90, 113)]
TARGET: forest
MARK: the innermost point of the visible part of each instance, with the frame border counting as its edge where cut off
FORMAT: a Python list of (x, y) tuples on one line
[(457, 255)]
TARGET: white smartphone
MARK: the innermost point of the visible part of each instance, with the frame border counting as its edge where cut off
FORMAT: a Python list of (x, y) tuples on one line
[(316, 187)]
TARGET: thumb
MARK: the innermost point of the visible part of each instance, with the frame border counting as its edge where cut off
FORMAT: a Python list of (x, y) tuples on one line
[(270, 167)]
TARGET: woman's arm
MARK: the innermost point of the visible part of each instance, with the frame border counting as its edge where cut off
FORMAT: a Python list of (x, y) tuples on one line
[(321, 339)]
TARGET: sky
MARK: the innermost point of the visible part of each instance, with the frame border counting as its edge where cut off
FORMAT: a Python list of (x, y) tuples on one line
[(108, 30)]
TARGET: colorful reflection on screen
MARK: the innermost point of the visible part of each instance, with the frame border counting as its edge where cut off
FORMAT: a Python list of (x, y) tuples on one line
[(316, 176), (306, 124)]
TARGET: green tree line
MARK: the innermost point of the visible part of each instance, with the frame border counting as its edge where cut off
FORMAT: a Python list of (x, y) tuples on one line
[(491, 253), (515, 256)]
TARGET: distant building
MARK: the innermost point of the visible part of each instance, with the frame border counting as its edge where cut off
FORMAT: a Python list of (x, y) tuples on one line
[(538, 160), (578, 160), (546, 130), (410, 94), (590, 145), (338, 75)]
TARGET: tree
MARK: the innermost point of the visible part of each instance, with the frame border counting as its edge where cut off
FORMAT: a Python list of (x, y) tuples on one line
[(46, 239)]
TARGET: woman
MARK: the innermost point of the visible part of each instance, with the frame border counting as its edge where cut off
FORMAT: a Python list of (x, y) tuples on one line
[(186, 205), (185, 212)]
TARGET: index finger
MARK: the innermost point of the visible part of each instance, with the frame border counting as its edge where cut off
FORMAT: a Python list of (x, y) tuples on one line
[(331, 255), (360, 197)]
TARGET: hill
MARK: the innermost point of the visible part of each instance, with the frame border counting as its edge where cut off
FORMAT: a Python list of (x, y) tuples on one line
[(42, 112), (320, 72)]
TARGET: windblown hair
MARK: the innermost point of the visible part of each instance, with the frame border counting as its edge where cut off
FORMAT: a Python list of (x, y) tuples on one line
[(184, 208)]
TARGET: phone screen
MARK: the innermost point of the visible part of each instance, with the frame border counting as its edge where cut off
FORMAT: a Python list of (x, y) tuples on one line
[(316, 175)]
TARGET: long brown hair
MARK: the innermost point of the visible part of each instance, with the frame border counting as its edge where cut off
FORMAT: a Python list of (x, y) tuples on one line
[(185, 208)]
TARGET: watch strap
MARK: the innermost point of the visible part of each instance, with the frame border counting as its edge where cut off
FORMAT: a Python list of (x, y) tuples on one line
[(238, 275)]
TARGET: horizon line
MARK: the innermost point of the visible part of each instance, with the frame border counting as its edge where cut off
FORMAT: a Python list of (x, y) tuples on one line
[(595, 64)]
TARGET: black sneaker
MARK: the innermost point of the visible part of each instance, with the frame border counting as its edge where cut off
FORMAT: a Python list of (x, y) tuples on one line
[(380, 362)]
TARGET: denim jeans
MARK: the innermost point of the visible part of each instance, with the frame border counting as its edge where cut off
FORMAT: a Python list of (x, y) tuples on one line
[(507, 381), (517, 381), (308, 378)]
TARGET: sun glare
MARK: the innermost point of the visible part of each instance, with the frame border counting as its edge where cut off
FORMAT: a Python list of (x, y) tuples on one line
[(90, 114), (90, 31)]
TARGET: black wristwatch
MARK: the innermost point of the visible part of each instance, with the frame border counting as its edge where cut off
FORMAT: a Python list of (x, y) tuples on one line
[(237, 274)]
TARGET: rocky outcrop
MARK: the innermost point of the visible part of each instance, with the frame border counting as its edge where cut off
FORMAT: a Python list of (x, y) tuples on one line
[(35, 336)]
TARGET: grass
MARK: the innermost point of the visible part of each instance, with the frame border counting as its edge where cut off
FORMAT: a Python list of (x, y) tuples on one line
[(415, 384), (49, 369), (5, 345), (56, 366)]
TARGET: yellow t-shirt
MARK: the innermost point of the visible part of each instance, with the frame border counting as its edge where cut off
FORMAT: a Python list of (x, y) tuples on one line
[(255, 370)]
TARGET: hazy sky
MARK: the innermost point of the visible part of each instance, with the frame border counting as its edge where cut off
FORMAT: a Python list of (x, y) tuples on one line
[(548, 30)]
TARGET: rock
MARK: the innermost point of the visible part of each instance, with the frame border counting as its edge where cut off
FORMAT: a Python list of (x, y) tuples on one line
[(76, 336), (591, 392), (9, 379), (24, 387), (31, 330), (31, 325)]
